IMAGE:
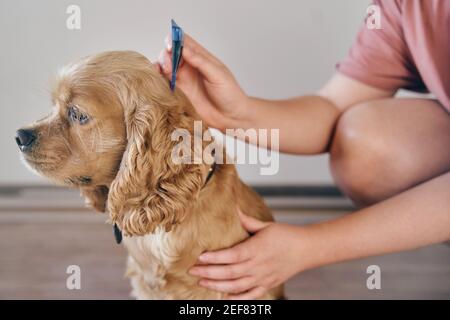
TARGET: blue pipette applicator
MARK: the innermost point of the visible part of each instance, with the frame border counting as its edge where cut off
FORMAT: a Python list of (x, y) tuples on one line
[(177, 50)]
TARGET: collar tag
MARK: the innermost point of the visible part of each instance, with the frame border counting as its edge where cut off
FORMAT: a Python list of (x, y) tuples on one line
[(117, 233)]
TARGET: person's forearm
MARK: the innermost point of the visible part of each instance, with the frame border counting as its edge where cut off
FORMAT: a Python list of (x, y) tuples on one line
[(305, 123), (415, 218)]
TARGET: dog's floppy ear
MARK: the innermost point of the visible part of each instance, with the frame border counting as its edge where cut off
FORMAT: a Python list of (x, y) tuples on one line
[(150, 190)]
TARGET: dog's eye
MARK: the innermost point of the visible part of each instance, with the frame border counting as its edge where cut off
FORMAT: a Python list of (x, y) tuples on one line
[(76, 115)]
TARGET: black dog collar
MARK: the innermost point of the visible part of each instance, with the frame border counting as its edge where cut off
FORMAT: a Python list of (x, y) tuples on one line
[(117, 233), (211, 171)]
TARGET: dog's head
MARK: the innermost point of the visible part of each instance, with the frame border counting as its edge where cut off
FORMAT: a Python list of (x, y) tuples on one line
[(109, 134)]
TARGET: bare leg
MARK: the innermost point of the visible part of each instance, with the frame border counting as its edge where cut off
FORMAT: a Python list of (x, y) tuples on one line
[(384, 147)]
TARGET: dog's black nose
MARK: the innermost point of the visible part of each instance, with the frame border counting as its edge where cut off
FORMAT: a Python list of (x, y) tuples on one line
[(25, 139)]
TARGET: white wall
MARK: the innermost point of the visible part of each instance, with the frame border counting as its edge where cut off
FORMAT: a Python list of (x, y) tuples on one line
[(275, 48)]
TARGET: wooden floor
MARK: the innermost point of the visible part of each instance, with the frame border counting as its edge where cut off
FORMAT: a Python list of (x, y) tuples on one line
[(37, 244)]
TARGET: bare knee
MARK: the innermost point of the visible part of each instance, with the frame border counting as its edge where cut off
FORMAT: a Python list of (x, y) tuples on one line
[(383, 147), (359, 158)]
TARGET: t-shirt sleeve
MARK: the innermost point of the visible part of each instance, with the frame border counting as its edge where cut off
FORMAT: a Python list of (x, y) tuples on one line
[(380, 57)]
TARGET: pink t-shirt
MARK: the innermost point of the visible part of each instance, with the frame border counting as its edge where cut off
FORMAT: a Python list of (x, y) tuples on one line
[(411, 50)]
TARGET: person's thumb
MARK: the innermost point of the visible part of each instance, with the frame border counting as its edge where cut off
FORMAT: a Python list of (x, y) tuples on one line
[(251, 224)]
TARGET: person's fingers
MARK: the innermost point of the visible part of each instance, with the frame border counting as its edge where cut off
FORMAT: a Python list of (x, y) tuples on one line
[(251, 294), (160, 60), (221, 272), (195, 55), (210, 69), (251, 224), (192, 43), (236, 254), (165, 62), (232, 286), (158, 66), (168, 42)]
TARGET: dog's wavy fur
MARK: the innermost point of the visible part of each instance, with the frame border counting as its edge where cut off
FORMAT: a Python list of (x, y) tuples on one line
[(121, 161)]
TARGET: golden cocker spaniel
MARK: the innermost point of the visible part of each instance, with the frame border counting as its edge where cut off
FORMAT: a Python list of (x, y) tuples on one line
[(109, 134)]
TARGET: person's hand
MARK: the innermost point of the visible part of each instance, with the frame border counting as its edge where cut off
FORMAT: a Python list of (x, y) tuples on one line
[(208, 83), (249, 269)]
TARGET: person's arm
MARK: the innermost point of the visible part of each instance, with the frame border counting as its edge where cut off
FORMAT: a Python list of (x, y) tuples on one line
[(305, 123), (415, 218)]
